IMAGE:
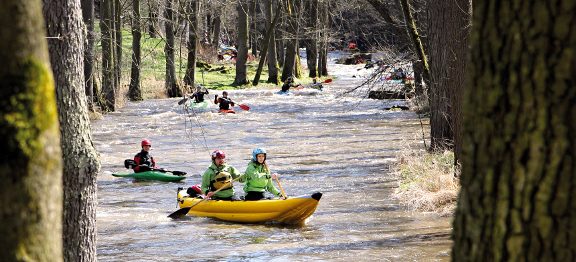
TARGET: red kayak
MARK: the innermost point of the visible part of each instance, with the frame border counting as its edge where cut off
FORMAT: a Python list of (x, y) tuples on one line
[(226, 111)]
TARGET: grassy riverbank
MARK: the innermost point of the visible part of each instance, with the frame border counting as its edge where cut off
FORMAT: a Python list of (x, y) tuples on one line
[(427, 181)]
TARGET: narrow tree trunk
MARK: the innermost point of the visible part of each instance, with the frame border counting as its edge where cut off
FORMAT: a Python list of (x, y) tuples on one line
[(265, 44), (241, 59), (64, 17), (171, 86), (134, 91), (88, 17), (118, 44), (518, 175), (323, 52), (292, 43), (108, 81), (217, 28), (279, 36), (193, 9), (31, 167), (253, 28), (271, 56), (152, 20), (312, 40)]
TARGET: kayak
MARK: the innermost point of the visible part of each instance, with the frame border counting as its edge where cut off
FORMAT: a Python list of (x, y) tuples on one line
[(287, 93), (200, 105), (152, 175), (226, 111), (294, 210)]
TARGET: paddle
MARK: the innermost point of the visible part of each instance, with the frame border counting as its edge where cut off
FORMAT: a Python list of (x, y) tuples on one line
[(183, 211), (183, 101), (176, 173), (244, 107), (280, 186)]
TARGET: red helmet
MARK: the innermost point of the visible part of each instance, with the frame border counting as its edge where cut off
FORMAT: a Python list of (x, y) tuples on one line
[(218, 154), (146, 142)]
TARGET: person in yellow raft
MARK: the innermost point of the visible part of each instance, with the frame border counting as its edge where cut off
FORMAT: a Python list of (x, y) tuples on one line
[(219, 176), (257, 177)]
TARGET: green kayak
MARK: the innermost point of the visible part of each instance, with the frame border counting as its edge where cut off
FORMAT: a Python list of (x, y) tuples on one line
[(152, 175), (201, 105)]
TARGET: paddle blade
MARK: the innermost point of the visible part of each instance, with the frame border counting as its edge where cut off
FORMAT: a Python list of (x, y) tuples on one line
[(183, 100), (329, 80), (178, 173), (180, 213), (244, 107)]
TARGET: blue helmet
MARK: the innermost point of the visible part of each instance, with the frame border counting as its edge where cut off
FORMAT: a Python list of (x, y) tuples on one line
[(256, 152)]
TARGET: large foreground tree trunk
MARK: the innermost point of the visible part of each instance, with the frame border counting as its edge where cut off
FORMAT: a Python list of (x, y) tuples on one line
[(30, 166), (448, 30), (519, 169), (88, 17), (134, 91), (241, 59), (64, 17)]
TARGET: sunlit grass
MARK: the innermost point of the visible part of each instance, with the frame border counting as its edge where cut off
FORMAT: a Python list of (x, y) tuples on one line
[(427, 181)]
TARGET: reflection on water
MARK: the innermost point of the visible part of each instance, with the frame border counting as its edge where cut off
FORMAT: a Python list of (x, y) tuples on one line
[(317, 141)]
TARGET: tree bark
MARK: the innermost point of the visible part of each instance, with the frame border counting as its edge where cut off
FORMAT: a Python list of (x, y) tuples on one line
[(312, 40), (323, 46), (193, 9), (171, 86), (30, 166), (271, 56), (253, 27), (241, 59), (81, 165), (152, 19), (88, 18), (217, 28), (292, 43), (108, 61), (118, 44), (519, 175), (266, 42), (134, 91)]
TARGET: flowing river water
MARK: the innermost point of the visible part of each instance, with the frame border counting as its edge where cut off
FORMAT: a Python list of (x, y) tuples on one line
[(317, 141)]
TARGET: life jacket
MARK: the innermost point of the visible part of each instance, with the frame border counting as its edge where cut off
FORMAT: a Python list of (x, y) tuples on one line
[(144, 158), (225, 103), (199, 97), (221, 180)]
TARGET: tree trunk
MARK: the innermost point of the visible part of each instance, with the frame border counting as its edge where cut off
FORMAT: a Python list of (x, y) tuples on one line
[(108, 81), (266, 42), (88, 18), (152, 19), (217, 28), (448, 38), (31, 167), (171, 87), (134, 91), (118, 44), (253, 28), (312, 40), (241, 59), (193, 9), (271, 56), (292, 43), (323, 52), (64, 17), (518, 175)]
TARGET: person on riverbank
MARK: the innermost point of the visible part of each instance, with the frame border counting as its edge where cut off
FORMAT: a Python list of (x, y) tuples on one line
[(257, 178), (144, 161), (198, 96), (288, 83), (224, 102), (219, 176)]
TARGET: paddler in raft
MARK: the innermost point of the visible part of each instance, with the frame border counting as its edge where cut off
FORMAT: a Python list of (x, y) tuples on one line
[(224, 102), (219, 175), (257, 177)]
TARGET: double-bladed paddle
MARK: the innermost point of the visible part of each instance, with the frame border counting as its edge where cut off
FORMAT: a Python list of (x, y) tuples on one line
[(183, 211)]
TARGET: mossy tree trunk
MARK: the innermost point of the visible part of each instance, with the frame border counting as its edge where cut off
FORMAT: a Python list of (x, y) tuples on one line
[(193, 9), (517, 201), (31, 163), (81, 165), (88, 17), (170, 84), (241, 70), (108, 62), (448, 31), (271, 56), (135, 91)]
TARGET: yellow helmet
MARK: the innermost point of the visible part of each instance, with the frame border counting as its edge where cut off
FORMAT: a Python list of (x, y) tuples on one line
[(222, 179)]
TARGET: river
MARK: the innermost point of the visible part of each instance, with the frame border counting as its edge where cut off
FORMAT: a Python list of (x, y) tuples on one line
[(317, 141)]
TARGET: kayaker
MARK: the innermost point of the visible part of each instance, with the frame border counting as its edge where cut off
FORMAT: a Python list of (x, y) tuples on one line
[(289, 82), (219, 174), (316, 85), (257, 177), (144, 160), (224, 102), (198, 96)]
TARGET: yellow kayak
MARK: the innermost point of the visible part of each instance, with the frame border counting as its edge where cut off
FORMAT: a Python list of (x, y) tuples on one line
[(293, 210)]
